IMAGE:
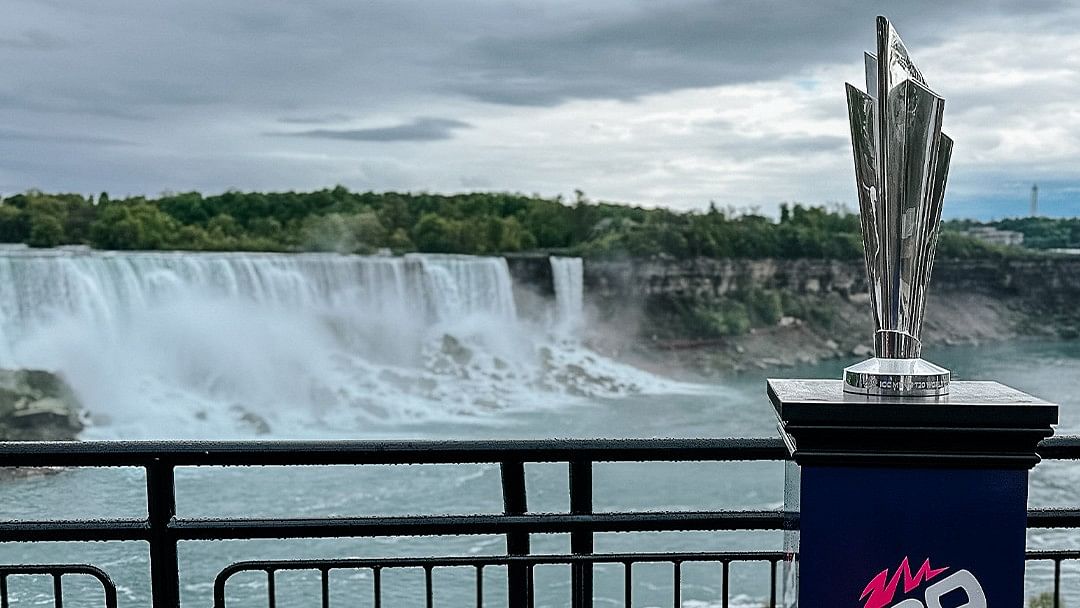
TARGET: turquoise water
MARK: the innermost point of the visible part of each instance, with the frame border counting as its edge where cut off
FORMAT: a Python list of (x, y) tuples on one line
[(729, 407)]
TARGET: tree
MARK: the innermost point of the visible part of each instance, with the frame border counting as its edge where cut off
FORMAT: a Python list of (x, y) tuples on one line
[(369, 233), (187, 208), (133, 226), (434, 234), (45, 231), (328, 233), (14, 225), (223, 225)]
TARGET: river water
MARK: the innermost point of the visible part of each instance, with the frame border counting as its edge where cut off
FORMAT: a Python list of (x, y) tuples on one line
[(433, 347)]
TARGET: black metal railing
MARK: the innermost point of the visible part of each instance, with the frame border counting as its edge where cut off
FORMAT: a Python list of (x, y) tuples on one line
[(162, 529), (57, 572), (579, 593)]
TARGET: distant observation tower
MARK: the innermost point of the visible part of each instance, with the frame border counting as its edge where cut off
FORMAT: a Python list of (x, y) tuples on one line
[(1034, 200)]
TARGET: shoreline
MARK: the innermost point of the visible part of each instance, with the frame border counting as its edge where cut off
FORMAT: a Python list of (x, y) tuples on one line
[(953, 319)]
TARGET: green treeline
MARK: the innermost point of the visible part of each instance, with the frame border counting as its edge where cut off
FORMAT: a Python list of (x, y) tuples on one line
[(1039, 232), (477, 223)]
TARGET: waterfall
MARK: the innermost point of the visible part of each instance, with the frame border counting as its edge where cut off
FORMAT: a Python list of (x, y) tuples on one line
[(178, 344), (567, 279), (102, 288)]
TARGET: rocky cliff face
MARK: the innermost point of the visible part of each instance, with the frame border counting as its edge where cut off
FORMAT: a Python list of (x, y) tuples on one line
[(705, 278), (37, 405), (823, 306), (1043, 279)]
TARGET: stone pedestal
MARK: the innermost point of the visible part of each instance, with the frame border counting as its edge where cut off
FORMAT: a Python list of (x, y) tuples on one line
[(907, 502)]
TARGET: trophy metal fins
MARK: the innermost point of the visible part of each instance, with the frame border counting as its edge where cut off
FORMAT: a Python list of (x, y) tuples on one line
[(901, 165)]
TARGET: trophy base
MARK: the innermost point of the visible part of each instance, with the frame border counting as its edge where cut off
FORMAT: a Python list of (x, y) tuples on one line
[(897, 378)]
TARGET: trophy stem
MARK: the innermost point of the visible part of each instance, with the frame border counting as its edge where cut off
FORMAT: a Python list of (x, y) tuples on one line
[(894, 344)]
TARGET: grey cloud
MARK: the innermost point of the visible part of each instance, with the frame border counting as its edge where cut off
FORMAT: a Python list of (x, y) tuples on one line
[(33, 103), (61, 138), (204, 80), (476, 182), (735, 141), (660, 47), (33, 40), (339, 57), (789, 145), (315, 120), (419, 129)]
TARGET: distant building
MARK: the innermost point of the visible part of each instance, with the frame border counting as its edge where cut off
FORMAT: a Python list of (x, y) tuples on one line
[(989, 234)]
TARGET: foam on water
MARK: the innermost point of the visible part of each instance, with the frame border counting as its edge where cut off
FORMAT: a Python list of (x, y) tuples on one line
[(227, 344)]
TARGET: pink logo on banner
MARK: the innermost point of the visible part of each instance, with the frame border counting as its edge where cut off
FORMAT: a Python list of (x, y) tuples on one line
[(882, 589)]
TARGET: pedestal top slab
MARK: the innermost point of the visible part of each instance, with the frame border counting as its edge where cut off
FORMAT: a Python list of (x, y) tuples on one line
[(972, 404)]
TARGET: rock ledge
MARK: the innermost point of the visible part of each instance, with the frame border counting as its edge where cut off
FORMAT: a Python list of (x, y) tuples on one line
[(37, 405)]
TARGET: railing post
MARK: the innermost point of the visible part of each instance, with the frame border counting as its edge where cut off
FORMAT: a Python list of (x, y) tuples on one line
[(160, 510), (517, 543), (581, 543)]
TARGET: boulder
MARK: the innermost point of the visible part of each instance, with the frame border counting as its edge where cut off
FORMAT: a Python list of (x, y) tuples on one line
[(863, 350), (37, 405)]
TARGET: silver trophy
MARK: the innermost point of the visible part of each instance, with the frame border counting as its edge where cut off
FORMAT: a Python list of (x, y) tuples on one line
[(901, 164)]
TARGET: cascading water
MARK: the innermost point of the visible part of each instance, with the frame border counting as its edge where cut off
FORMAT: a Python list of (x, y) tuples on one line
[(220, 344), (568, 278)]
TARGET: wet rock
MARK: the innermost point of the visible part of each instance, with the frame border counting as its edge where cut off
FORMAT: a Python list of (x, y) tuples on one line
[(456, 350), (252, 421), (863, 350), (37, 405), (859, 297), (13, 473)]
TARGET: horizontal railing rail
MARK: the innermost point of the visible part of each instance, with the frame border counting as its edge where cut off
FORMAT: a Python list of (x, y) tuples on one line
[(162, 529), (289, 453)]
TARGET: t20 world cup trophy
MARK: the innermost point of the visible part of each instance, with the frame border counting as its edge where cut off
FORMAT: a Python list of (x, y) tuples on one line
[(895, 475), (901, 164)]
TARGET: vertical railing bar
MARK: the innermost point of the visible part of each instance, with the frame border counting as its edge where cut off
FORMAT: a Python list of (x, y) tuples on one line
[(515, 502), (581, 542), (58, 590), (772, 583), (110, 594), (726, 570), (628, 584), (271, 589), (531, 597), (678, 584), (480, 586), (376, 573), (429, 593), (1057, 583), (160, 510), (325, 587), (3, 591)]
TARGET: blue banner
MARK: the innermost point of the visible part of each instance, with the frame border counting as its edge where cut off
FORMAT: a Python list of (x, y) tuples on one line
[(909, 537)]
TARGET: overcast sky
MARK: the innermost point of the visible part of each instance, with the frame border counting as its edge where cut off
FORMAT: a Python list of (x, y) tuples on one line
[(671, 103)]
